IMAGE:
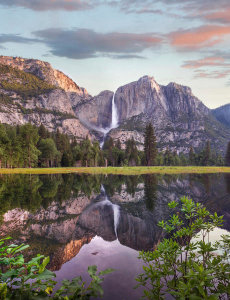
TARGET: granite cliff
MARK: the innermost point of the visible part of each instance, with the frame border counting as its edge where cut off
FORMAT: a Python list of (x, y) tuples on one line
[(32, 91), (222, 114)]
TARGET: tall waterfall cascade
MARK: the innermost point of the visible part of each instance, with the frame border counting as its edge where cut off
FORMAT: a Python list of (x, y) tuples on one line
[(115, 207), (114, 121)]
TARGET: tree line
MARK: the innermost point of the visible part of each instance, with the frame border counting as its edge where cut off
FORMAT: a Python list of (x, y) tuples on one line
[(31, 146)]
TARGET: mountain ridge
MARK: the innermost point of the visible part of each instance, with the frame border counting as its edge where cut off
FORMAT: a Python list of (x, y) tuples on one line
[(180, 119), (222, 114)]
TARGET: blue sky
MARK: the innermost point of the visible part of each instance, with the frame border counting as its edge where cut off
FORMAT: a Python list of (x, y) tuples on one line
[(103, 44)]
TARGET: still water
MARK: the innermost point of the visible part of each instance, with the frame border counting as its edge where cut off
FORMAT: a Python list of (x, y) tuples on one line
[(82, 220)]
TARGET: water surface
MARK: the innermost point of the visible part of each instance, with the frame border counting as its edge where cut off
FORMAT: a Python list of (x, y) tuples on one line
[(81, 220)]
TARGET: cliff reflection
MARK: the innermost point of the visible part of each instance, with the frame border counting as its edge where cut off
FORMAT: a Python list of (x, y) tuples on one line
[(58, 214)]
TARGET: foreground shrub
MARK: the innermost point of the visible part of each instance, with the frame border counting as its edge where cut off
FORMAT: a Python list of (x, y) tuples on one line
[(186, 265), (31, 280)]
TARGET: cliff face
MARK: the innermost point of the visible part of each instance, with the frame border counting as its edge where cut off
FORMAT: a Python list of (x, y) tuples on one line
[(222, 114), (44, 71), (96, 113), (180, 119), (32, 91)]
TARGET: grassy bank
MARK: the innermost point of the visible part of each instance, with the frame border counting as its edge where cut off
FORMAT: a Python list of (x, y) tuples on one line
[(120, 170)]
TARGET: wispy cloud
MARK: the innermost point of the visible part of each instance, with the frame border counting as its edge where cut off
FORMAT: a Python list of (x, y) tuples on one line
[(212, 61), (140, 7), (200, 37), (207, 10), (86, 43), (124, 56), (222, 15), (15, 38), (42, 5), (212, 74)]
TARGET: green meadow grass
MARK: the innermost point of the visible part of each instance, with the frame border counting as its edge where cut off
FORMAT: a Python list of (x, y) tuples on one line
[(120, 170)]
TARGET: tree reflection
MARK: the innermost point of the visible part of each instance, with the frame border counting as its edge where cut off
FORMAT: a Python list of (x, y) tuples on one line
[(227, 182), (205, 179), (150, 190), (31, 192)]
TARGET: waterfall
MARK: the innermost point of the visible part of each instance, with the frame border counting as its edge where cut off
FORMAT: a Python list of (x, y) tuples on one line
[(114, 121), (115, 207)]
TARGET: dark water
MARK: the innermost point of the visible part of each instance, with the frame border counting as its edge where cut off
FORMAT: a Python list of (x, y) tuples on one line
[(81, 220)]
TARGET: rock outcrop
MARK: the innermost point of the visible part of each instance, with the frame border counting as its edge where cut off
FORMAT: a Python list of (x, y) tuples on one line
[(39, 94), (44, 71), (96, 113), (222, 114)]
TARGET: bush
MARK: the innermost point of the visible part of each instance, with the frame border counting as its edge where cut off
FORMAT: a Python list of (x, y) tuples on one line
[(183, 265), (31, 280)]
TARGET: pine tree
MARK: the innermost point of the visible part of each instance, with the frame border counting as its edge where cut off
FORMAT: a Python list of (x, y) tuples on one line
[(207, 154), (118, 144), (119, 154), (227, 157), (191, 156), (48, 153), (150, 190), (87, 154), (168, 158), (29, 138), (43, 132), (150, 145), (95, 153), (108, 151), (131, 152), (176, 159), (3, 144)]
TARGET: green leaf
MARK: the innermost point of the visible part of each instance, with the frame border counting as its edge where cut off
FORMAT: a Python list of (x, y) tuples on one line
[(92, 270), (107, 271)]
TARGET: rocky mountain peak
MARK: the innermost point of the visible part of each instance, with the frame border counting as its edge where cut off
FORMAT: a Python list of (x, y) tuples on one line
[(149, 81), (180, 88), (44, 71), (222, 114), (180, 119)]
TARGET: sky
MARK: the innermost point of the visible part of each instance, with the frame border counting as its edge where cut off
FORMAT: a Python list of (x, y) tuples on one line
[(103, 44)]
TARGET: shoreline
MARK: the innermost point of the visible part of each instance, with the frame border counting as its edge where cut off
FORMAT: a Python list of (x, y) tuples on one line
[(120, 170)]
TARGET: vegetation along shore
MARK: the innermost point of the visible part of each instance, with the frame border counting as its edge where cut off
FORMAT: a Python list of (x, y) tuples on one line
[(120, 170)]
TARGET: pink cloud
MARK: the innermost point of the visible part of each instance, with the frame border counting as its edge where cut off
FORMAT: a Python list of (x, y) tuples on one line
[(212, 61), (203, 36), (211, 74), (222, 15)]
